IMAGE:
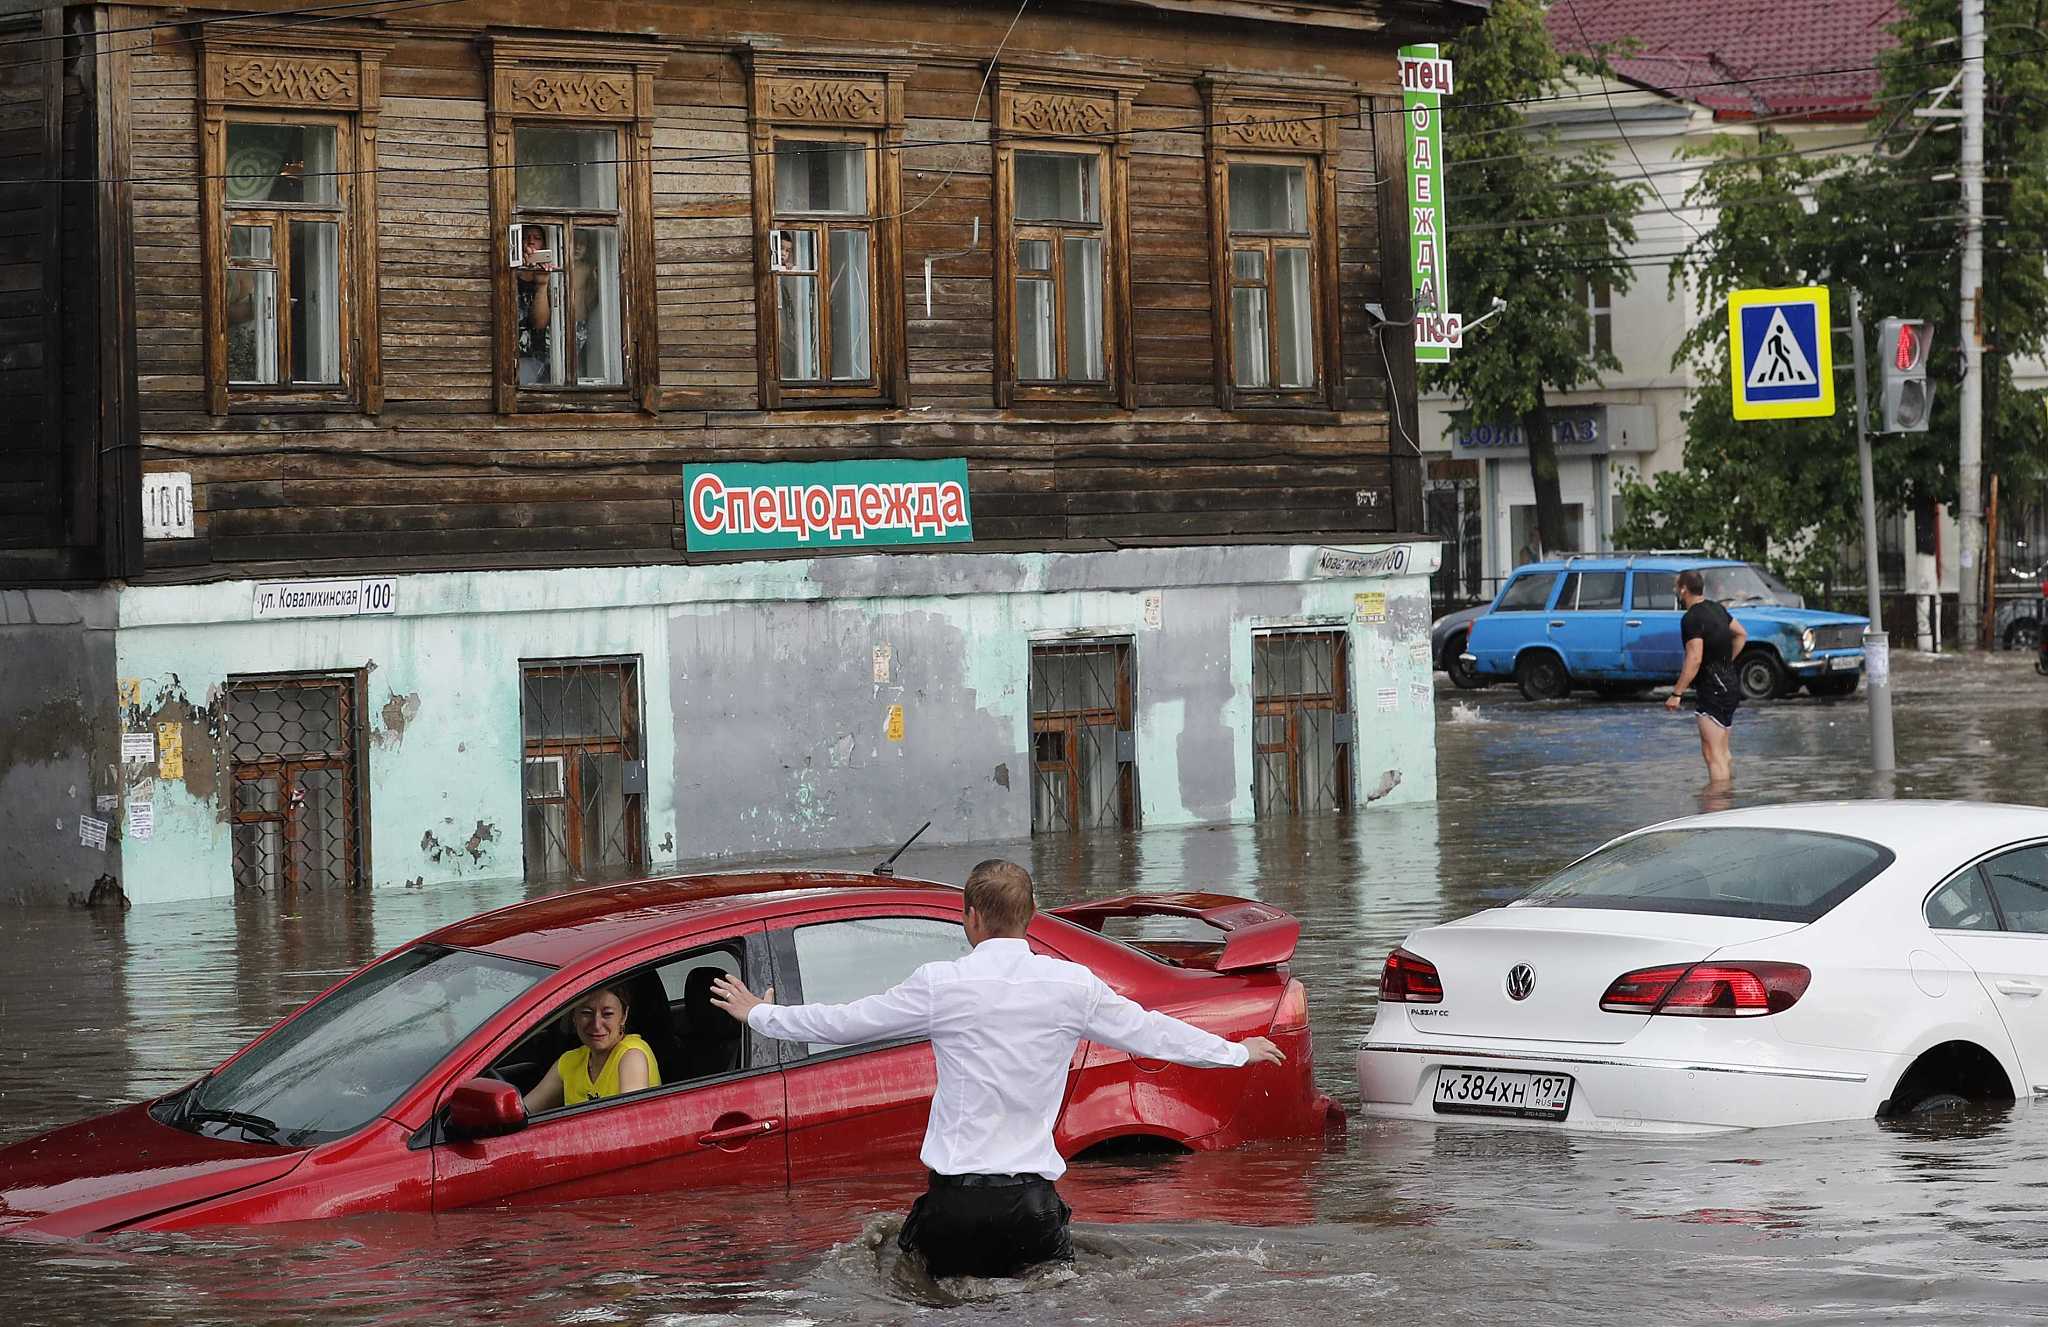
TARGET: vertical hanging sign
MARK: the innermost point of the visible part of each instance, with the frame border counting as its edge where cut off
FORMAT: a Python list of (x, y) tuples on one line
[(1425, 82)]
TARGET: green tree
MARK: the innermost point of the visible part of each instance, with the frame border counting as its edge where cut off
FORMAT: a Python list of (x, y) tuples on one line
[(1531, 223), (1886, 224)]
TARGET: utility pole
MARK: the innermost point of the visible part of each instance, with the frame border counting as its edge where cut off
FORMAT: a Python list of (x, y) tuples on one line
[(1969, 576)]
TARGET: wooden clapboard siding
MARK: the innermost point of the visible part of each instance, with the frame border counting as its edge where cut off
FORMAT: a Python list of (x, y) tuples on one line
[(436, 475)]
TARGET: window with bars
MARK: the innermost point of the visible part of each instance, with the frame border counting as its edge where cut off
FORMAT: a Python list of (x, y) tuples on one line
[(285, 213), (1059, 254), (1272, 210), (583, 775), (292, 746), (568, 257), (1301, 719), (1084, 772)]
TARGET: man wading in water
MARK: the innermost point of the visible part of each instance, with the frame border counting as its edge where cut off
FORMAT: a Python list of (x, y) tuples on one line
[(1713, 641), (1003, 1022)]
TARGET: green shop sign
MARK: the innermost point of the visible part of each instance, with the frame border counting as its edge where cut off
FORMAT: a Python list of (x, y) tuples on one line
[(826, 504), (1425, 82)]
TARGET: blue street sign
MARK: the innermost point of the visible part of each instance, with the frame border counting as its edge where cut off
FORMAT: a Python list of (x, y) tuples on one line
[(1781, 362)]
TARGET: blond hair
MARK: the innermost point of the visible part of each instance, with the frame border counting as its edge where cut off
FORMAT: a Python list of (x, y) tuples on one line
[(1001, 892)]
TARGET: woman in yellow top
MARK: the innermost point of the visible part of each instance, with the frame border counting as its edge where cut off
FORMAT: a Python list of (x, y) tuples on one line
[(611, 1061)]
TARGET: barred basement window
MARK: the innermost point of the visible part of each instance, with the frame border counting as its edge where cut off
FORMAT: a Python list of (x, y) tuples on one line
[(1301, 723), (1083, 758), (292, 746), (584, 777)]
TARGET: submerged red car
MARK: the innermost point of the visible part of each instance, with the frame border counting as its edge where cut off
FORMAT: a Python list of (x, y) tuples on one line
[(400, 1089)]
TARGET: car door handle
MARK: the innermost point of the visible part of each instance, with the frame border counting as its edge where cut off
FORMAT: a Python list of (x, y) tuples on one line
[(738, 1133), (1557, 622), (1633, 622), (2010, 987)]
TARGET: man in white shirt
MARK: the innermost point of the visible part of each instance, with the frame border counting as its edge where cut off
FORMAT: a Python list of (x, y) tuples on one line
[(1003, 1023)]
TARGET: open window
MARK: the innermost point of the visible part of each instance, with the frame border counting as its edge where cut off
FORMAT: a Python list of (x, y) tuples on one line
[(668, 1006), (851, 958), (572, 206)]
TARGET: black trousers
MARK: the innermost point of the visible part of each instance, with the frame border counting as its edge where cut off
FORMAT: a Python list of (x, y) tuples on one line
[(987, 1225)]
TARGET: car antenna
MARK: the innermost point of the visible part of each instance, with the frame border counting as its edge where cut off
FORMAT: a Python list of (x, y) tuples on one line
[(887, 866)]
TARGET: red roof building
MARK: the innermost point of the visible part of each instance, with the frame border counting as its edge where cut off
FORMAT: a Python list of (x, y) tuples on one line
[(1741, 59)]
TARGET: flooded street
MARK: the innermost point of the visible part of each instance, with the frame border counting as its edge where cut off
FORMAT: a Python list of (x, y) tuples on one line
[(1472, 1223)]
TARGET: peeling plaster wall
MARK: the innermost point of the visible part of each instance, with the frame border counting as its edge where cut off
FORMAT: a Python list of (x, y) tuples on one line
[(767, 728), (59, 743)]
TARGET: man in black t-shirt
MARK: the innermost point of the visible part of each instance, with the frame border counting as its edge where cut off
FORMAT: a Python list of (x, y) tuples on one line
[(1713, 641)]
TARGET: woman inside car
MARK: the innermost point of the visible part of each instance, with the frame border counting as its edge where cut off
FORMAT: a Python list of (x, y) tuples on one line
[(611, 1061)]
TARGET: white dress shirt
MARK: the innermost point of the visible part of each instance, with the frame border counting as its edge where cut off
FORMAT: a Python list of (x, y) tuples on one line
[(1003, 1023)]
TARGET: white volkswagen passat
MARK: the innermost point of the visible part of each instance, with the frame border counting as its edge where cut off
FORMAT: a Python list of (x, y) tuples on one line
[(1781, 965)]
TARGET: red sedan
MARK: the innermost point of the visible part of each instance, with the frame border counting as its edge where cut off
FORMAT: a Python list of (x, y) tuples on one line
[(400, 1089)]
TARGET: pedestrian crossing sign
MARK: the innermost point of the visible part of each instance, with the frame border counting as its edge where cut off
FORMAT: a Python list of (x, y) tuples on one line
[(1781, 361)]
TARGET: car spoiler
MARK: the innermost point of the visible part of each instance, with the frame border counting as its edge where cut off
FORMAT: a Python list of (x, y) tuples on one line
[(1256, 935)]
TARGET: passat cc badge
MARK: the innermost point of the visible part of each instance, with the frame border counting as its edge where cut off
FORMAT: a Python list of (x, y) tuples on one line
[(1521, 981)]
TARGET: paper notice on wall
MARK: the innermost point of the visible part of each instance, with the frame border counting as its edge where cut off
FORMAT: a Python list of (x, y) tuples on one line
[(1155, 609), (1418, 652), (106, 802), (1421, 693), (141, 819), (170, 751), (1370, 606), (1877, 661), (92, 833), (138, 747), (130, 692), (1390, 698), (893, 728), (885, 655)]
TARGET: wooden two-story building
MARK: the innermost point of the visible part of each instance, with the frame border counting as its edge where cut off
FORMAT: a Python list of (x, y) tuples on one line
[(445, 437)]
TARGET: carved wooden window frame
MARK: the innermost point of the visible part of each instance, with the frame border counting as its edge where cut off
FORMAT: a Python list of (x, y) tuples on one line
[(335, 79), (578, 85), (1058, 111), (1250, 125), (795, 98)]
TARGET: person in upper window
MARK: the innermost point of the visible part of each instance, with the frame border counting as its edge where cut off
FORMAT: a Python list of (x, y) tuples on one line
[(534, 282), (611, 1061)]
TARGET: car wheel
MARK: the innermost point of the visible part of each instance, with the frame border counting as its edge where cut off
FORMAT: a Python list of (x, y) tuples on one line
[(1461, 674), (1541, 676), (1938, 1103), (1761, 675), (1834, 684), (2024, 634)]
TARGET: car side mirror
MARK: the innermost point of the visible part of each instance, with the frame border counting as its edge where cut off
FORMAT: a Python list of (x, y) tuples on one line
[(485, 1108)]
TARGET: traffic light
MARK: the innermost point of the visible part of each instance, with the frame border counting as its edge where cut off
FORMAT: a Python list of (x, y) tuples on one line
[(1908, 399)]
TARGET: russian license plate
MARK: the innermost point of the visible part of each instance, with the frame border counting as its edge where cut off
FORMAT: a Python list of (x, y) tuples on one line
[(1461, 1091), (1843, 663)]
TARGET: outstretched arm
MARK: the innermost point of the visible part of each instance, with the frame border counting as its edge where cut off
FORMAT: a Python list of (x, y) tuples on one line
[(901, 1011), (1116, 1021)]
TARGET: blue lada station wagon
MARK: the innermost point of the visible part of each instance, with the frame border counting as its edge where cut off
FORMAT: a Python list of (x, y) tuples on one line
[(1611, 623)]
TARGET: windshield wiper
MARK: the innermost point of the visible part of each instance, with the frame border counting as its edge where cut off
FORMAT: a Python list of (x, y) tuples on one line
[(264, 1129)]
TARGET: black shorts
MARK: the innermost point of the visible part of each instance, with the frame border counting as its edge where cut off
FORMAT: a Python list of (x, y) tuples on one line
[(1717, 694), (987, 1225)]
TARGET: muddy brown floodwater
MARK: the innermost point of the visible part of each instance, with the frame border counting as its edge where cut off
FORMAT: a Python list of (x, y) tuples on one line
[(1845, 1223)]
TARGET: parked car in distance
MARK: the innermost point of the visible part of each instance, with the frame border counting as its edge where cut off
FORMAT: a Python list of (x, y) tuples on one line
[(1779, 965), (1611, 622), (401, 1088)]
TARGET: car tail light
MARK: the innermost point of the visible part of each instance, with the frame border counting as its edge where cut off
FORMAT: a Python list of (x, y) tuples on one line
[(1410, 979), (1292, 1015), (1708, 990)]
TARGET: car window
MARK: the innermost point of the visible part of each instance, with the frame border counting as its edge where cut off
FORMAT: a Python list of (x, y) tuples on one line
[(1962, 905), (843, 961), (1655, 590), (1528, 593), (1736, 585), (1596, 591), (668, 1006), (2019, 880), (1774, 874), (347, 1058)]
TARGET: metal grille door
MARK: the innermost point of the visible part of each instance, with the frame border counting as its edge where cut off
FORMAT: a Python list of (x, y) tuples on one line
[(292, 749), (584, 776), (1301, 723), (1083, 771)]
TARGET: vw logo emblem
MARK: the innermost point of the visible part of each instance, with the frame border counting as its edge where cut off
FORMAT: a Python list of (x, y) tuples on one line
[(1521, 981)]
